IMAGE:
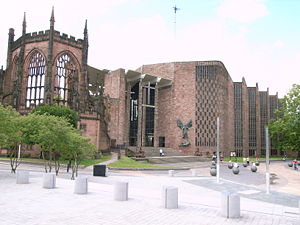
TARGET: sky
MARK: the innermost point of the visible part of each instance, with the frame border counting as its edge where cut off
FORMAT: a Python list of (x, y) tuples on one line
[(255, 39)]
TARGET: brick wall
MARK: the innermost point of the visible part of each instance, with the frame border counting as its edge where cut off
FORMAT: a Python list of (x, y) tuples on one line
[(115, 90)]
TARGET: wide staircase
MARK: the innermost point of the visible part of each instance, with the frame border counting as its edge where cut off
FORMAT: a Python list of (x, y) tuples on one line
[(171, 156)]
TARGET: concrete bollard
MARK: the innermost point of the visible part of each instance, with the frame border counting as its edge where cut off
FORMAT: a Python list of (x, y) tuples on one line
[(299, 208), (170, 197), (213, 172), (171, 173), (121, 191), (235, 170), (194, 172), (22, 177), (81, 185), (230, 205), (49, 180)]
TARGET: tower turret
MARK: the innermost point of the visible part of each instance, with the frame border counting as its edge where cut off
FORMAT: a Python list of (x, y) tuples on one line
[(85, 45), (48, 84), (11, 36), (24, 25)]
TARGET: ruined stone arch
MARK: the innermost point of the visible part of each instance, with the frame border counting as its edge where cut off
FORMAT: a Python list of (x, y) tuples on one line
[(66, 79), (35, 70)]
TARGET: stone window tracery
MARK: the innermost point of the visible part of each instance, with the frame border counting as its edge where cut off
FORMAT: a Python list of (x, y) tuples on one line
[(36, 80), (64, 79)]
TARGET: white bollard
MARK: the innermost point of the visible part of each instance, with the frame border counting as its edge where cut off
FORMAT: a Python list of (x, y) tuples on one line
[(230, 205), (170, 197), (171, 173), (194, 172), (299, 207), (22, 177), (121, 191), (81, 185), (224, 204), (234, 206), (49, 180)]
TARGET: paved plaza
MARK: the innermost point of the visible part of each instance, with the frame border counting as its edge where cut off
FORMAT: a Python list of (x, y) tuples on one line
[(199, 199)]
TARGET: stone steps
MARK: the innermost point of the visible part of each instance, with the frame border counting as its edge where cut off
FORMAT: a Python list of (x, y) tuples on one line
[(153, 152), (176, 159)]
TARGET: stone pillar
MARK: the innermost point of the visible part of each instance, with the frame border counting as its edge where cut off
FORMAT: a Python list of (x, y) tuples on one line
[(81, 185), (121, 191), (171, 173), (22, 177), (143, 132), (49, 180), (156, 141), (128, 101), (170, 197), (140, 116), (230, 205)]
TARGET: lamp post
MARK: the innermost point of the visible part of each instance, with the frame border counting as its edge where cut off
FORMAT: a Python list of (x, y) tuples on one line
[(267, 162), (218, 150)]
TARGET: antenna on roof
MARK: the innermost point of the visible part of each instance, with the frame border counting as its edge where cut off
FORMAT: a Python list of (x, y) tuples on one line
[(175, 12)]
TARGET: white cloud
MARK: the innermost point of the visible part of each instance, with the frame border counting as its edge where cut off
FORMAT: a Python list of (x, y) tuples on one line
[(242, 11)]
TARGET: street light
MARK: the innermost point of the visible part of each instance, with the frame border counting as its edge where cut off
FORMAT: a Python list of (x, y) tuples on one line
[(267, 162), (218, 150)]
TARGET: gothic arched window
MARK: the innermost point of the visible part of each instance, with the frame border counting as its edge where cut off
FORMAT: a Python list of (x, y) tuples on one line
[(64, 79), (36, 80)]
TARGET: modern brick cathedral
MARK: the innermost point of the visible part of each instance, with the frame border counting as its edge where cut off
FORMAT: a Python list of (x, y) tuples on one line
[(168, 105)]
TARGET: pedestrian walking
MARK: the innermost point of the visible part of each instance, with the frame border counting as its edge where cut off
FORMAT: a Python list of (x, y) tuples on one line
[(295, 162)]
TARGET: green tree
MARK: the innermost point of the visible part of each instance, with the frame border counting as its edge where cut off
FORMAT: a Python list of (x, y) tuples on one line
[(60, 111), (10, 135), (286, 129), (49, 132), (77, 148), (58, 140)]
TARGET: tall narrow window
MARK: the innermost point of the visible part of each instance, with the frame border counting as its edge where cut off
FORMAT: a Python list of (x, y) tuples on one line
[(36, 80), (64, 79)]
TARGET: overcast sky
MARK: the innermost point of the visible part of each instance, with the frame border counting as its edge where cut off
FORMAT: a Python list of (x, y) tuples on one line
[(257, 39)]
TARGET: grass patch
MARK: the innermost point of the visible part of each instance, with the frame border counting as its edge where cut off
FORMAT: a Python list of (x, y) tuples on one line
[(26, 159), (87, 162), (126, 162)]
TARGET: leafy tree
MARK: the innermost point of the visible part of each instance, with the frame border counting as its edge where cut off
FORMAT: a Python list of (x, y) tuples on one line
[(59, 141), (49, 132), (77, 148), (60, 111), (286, 129), (10, 135)]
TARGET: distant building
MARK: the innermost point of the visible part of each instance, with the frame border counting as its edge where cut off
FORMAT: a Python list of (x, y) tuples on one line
[(168, 105)]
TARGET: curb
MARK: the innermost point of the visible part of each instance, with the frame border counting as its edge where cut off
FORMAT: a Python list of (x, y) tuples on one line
[(37, 163), (147, 169)]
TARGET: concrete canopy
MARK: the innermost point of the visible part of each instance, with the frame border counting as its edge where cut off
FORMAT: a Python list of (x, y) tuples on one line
[(133, 77)]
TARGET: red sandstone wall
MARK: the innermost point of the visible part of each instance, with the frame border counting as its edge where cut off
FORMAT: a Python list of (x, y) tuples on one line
[(228, 129), (176, 102), (164, 120), (92, 128), (115, 89), (245, 115)]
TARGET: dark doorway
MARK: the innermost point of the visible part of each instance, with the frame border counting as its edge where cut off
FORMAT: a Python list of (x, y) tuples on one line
[(134, 115)]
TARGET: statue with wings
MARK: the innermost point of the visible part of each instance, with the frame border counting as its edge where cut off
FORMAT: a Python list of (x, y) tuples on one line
[(185, 129)]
